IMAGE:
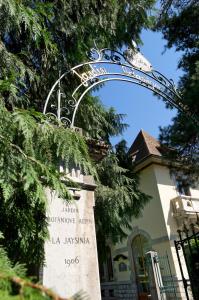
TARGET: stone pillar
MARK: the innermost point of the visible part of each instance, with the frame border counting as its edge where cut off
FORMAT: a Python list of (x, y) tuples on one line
[(71, 262)]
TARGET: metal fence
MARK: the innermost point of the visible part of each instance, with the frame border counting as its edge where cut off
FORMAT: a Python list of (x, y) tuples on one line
[(188, 243)]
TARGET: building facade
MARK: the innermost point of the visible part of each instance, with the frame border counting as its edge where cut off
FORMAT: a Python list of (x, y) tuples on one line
[(146, 265)]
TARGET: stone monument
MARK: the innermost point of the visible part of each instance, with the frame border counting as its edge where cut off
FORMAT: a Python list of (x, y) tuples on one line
[(71, 262)]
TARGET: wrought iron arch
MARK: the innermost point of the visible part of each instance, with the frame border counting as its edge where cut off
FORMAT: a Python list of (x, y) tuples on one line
[(130, 66)]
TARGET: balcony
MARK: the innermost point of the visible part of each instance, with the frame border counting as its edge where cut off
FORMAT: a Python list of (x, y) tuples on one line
[(185, 207)]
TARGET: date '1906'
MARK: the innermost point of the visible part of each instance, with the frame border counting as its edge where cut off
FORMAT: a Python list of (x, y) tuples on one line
[(71, 261)]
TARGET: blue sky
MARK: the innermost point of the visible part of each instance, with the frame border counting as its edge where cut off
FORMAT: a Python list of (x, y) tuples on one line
[(143, 110)]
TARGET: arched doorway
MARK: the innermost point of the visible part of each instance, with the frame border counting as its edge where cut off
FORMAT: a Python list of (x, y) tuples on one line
[(139, 247)]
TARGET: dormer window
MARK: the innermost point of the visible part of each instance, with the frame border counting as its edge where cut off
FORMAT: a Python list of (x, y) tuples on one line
[(134, 155)]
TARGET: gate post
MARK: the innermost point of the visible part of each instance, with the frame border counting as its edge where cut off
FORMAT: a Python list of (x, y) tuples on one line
[(71, 262), (181, 270), (155, 276)]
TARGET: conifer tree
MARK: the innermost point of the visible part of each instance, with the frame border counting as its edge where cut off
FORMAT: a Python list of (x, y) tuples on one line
[(118, 199), (179, 22), (39, 38)]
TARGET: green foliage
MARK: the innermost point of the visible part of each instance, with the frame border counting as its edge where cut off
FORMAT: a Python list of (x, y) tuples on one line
[(118, 198), (30, 152), (98, 122), (8, 271), (14, 285), (180, 26), (37, 40)]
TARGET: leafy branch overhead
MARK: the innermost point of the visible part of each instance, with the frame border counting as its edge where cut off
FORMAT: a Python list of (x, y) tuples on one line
[(40, 38), (180, 27), (37, 40), (30, 152)]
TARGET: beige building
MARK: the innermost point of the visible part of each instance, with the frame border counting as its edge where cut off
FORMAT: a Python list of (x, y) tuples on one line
[(145, 265)]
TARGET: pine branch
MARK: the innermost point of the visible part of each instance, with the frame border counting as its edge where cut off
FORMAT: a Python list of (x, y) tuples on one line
[(32, 159), (24, 283)]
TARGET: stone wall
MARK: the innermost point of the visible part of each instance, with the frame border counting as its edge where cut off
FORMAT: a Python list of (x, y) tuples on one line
[(118, 290)]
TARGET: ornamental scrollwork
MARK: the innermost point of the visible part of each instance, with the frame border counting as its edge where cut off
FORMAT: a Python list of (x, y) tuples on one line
[(131, 66), (106, 54)]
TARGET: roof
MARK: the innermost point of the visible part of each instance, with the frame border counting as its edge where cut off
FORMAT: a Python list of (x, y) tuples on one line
[(143, 146)]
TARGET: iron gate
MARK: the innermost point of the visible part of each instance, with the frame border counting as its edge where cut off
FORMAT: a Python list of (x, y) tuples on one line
[(162, 281), (189, 244), (168, 280)]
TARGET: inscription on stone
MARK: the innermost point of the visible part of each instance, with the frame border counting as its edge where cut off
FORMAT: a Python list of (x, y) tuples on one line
[(70, 253), (69, 240), (71, 261)]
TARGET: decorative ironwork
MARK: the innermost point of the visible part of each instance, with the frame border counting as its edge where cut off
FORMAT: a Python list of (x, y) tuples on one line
[(129, 66), (189, 245)]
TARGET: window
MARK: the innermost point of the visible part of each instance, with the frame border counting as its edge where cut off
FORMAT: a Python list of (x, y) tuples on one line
[(183, 187), (122, 267)]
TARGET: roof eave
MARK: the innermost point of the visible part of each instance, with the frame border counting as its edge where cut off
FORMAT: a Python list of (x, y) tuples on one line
[(153, 159)]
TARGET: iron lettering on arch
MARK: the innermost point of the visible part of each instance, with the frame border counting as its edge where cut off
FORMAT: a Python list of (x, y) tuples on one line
[(106, 65)]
